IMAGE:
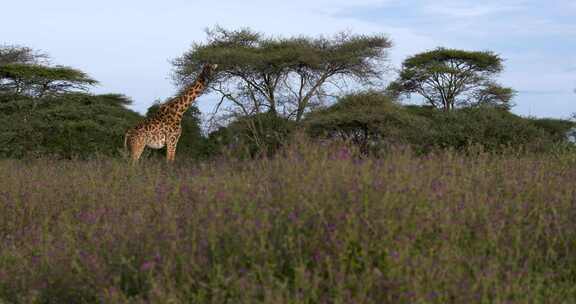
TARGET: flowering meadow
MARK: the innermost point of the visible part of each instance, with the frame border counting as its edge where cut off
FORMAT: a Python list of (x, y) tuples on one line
[(314, 224)]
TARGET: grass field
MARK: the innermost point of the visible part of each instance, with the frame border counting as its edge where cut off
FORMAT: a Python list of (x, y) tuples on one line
[(314, 225)]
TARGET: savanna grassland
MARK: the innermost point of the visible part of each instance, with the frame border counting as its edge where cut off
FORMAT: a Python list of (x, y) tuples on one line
[(314, 224)]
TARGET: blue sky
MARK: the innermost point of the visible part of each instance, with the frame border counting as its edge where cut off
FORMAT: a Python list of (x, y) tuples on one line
[(127, 45)]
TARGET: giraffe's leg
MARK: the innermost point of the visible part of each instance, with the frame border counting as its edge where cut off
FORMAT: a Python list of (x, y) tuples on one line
[(136, 150), (171, 142), (171, 152)]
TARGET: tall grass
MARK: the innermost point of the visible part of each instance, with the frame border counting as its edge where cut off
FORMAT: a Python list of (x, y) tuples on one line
[(312, 225)]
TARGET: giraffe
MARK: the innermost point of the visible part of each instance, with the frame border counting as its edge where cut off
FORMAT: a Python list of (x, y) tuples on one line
[(163, 128)]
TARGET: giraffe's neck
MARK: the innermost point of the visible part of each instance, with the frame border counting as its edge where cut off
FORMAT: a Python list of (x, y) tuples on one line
[(183, 101), (189, 96)]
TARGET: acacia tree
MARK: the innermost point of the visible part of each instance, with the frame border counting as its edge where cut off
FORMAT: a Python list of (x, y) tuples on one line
[(283, 76), (448, 77), (39, 81), (25, 72)]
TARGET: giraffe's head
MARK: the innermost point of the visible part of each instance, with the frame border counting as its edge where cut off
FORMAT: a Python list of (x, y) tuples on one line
[(208, 71), (209, 68)]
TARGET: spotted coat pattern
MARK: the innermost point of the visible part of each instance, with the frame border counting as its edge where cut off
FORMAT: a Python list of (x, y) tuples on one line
[(164, 127)]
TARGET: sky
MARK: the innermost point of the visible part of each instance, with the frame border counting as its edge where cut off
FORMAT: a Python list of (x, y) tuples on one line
[(128, 45)]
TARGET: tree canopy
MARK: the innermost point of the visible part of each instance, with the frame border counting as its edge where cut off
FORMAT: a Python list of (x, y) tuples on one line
[(37, 80), (25, 72), (284, 76), (447, 78)]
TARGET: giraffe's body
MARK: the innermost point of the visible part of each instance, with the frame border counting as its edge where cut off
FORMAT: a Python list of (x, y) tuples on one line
[(163, 128)]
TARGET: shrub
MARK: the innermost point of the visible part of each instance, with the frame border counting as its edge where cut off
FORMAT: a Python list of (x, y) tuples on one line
[(370, 120), (260, 134), (556, 128), (65, 126), (489, 127)]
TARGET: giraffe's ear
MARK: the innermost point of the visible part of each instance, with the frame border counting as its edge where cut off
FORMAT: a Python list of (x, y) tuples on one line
[(213, 67), (209, 68)]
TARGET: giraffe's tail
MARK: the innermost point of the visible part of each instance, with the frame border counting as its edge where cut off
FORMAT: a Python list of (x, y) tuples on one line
[(126, 141), (126, 151)]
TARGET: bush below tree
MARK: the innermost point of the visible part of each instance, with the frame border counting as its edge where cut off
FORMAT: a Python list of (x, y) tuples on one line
[(373, 121)]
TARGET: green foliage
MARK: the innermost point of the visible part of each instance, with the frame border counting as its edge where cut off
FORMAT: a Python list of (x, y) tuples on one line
[(287, 76), (256, 135), (372, 121), (436, 60), (367, 119), (491, 128), (37, 80), (494, 95), (447, 78), (24, 72), (66, 126), (556, 128)]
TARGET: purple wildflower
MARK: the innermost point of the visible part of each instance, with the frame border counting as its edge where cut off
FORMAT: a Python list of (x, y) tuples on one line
[(161, 191), (147, 265), (220, 195), (293, 216), (343, 154), (185, 190)]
